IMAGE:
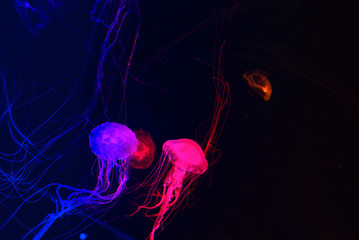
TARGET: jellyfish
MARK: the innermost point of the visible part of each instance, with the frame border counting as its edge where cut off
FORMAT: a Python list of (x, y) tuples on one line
[(187, 163), (259, 83), (145, 153), (113, 144)]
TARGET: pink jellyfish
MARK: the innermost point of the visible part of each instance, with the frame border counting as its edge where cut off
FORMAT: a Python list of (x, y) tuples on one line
[(188, 162)]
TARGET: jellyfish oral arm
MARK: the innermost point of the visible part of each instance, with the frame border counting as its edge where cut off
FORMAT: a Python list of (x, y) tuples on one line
[(172, 189), (122, 178), (50, 219)]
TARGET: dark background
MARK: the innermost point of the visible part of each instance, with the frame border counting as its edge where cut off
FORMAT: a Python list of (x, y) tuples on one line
[(288, 168)]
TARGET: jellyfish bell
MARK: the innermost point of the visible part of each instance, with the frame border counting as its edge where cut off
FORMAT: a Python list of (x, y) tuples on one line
[(112, 141), (259, 83), (143, 157), (186, 154)]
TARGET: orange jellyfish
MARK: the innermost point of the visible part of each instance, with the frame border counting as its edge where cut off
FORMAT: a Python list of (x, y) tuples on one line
[(188, 162), (258, 81), (146, 150)]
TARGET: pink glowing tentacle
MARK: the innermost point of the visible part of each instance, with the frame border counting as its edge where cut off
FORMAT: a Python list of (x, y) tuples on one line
[(172, 188), (164, 208)]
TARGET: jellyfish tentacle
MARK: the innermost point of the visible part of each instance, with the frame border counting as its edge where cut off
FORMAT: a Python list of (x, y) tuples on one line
[(121, 179), (172, 189), (66, 208)]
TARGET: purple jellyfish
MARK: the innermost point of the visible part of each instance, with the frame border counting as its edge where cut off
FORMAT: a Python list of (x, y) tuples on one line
[(113, 144)]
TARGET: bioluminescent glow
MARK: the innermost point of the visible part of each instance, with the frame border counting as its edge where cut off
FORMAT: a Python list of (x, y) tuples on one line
[(146, 151), (259, 83)]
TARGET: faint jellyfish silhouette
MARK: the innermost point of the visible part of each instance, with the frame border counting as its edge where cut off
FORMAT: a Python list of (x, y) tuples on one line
[(146, 151), (36, 14), (188, 162), (259, 83)]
